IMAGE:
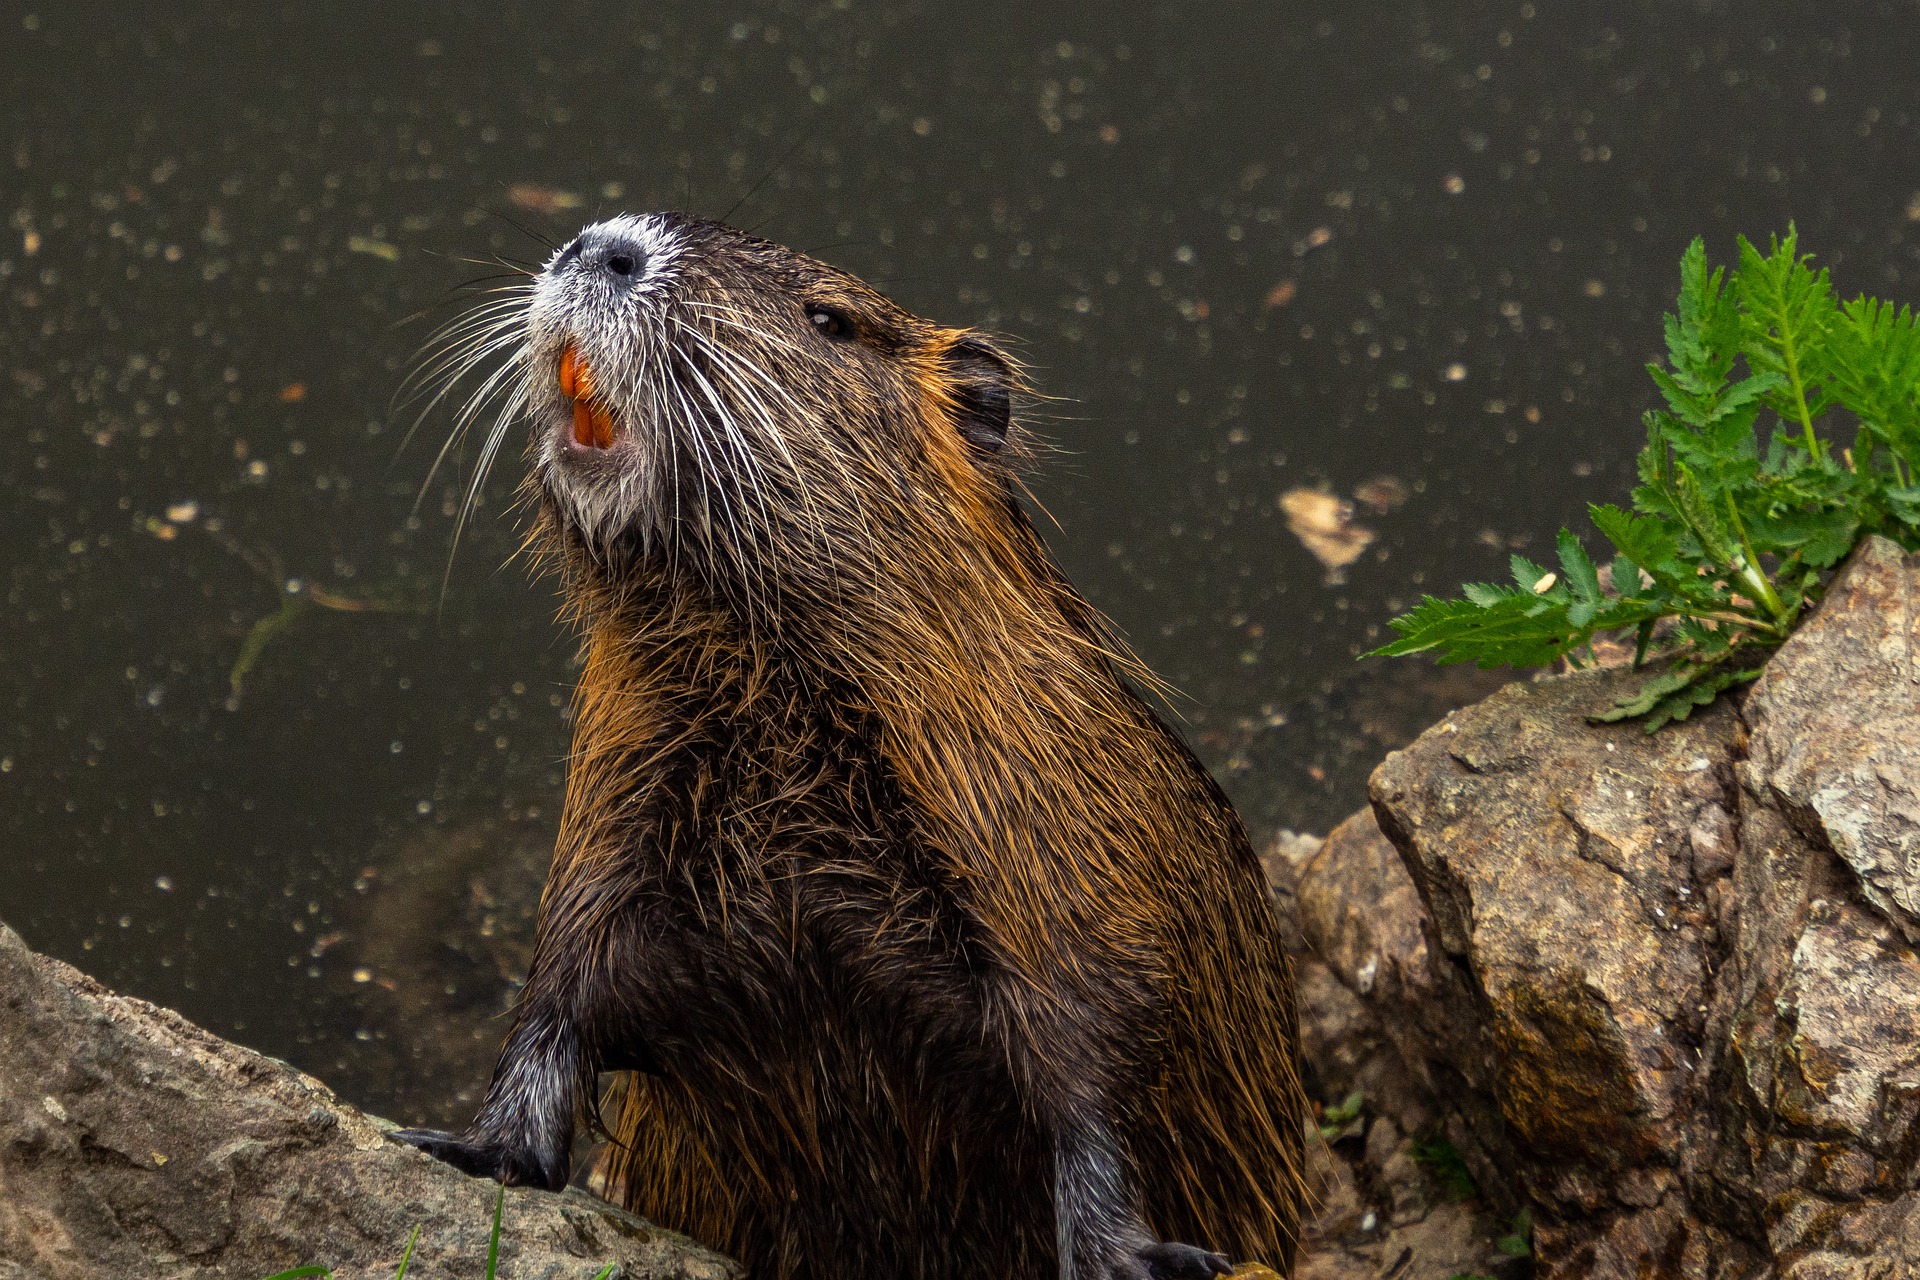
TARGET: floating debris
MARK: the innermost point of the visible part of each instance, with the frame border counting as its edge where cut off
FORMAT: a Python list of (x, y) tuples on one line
[(1454, 184), (1324, 524), (377, 248), (183, 512), (293, 393), (1314, 239), (1455, 372), (1281, 294), (296, 599), (538, 199), (1382, 494)]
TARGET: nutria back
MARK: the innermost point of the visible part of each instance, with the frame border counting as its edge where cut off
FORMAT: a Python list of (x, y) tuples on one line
[(928, 949)]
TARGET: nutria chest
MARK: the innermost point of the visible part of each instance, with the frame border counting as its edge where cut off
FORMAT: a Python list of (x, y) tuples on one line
[(778, 879), (798, 978)]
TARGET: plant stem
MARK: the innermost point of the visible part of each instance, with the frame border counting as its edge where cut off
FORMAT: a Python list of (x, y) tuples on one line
[(1738, 620), (1799, 393), (1748, 570)]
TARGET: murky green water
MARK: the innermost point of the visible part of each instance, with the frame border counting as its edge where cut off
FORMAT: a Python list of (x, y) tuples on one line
[(1250, 248)]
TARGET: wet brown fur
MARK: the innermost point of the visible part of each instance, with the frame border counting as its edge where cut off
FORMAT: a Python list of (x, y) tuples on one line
[(910, 869)]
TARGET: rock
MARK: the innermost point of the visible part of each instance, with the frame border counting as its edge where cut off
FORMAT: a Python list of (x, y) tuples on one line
[(1835, 724), (1662, 990), (1815, 1038), (1553, 862), (134, 1143)]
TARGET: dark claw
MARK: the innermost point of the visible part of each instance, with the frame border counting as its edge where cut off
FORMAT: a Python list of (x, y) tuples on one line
[(1182, 1262), (482, 1159)]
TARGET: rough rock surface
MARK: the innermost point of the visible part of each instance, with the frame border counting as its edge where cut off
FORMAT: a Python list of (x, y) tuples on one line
[(133, 1143), (1661, 990)]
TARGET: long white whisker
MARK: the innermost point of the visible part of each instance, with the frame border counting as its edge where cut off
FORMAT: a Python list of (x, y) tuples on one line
[(515, 405), (732, 359), (726, 365), (748, 328), (706, 467), (447, 344), (494, 385), (750, 464), (729, 425), (448, 371), (455, 369), (724, 419)]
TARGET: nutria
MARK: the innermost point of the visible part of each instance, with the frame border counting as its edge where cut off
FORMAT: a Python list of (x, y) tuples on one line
[(932, 951)]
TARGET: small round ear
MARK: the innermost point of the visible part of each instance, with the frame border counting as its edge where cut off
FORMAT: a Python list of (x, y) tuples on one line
[(981, 381)]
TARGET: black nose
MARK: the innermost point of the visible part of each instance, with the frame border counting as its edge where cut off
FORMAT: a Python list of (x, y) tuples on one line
[(619, 259)]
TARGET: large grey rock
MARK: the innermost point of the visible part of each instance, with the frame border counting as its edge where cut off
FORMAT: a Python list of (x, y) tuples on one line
[(1814, 1046), (1835, 724), (1663, 989), (1569, 942), (133, 1143)]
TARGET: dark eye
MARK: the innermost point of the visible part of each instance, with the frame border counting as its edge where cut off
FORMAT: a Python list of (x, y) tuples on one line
[(831, 323)]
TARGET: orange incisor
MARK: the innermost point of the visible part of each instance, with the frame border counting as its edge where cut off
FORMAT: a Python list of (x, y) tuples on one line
[(592, 423)]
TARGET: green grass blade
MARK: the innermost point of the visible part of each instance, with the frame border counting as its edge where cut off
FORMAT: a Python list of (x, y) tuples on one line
[(406, 1259), (493, 1241)]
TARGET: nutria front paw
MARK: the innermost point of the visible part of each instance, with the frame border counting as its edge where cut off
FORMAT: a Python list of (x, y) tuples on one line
[(483, 1159), (1170, 1261)]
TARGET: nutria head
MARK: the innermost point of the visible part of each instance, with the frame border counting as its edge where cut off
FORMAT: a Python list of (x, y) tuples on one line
[(715, 401)]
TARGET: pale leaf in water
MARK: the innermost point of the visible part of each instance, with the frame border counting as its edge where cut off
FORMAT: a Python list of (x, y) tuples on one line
[(1324, 524)]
